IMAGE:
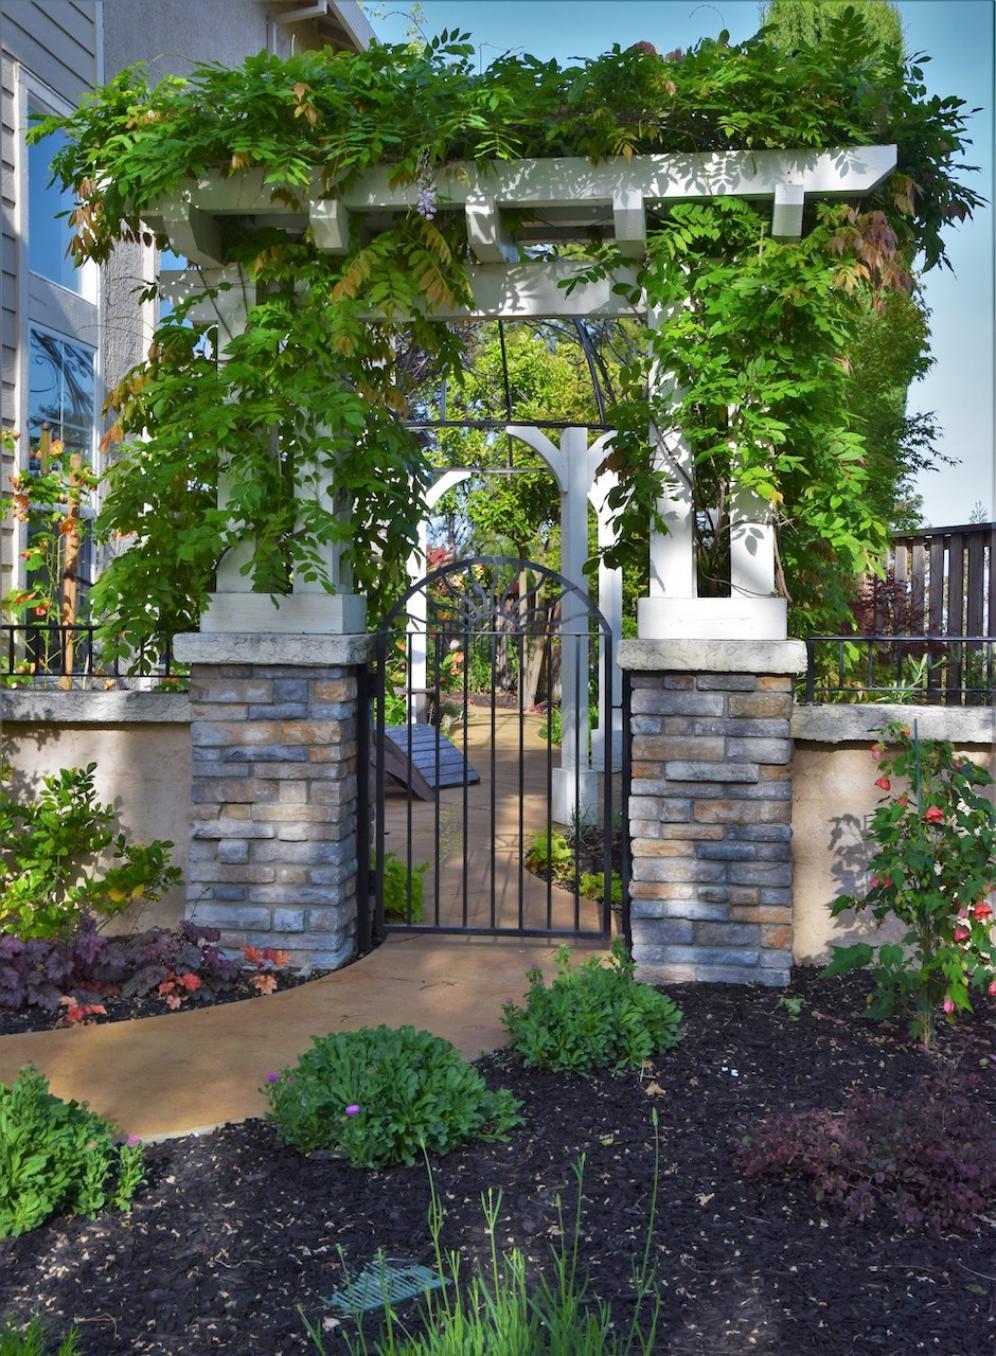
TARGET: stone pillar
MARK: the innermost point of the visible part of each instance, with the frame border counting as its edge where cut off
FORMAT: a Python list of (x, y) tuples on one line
[(710, 808), (275, 790)]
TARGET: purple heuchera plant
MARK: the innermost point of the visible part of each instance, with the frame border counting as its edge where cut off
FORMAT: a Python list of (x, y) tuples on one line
[(36, 974)]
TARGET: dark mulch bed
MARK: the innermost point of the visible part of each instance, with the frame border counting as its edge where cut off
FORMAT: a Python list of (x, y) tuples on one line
[(233, 1232), (124, 1009)]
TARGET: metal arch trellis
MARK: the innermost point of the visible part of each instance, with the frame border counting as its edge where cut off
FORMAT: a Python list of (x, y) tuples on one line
[(476, 601)]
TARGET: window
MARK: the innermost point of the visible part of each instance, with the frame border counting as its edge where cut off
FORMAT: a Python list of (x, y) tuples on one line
[(61, 392), (49, 234)]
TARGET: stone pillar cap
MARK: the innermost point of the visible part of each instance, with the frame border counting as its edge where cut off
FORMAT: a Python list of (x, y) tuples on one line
[(246, 647), (713, 656)]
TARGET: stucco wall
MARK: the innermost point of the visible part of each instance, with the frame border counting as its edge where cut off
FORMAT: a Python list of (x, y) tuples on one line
[(833, 802), (143, 769)]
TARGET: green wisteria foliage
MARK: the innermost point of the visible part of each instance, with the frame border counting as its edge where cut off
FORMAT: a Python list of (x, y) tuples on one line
[(758, 343)]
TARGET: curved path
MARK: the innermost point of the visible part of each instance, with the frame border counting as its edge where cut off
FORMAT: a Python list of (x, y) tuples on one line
[(188, 1071)]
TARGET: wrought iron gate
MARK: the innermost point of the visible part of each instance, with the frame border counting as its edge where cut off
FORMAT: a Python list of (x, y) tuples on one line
[(482, 824)]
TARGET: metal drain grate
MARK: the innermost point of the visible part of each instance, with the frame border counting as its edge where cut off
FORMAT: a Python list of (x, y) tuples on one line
[(384, 1282)]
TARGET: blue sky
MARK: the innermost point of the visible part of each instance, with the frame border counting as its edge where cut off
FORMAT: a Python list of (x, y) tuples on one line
[(959, 37)]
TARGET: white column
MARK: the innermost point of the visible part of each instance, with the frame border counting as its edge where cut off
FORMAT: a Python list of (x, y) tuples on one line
[(610, 604), (417, 613)]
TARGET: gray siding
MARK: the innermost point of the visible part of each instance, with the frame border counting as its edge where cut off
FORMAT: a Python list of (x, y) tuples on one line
[(55, 39)]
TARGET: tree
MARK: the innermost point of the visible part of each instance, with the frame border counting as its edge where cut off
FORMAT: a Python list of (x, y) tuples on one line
[(792, 22)]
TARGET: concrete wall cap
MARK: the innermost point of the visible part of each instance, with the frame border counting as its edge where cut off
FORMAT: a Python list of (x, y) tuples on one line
[(840, 723), (305, 651), (713, 656), (38, 706)]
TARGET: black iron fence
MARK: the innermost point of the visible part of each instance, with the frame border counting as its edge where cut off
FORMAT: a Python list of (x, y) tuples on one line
[(937, 670), (34, 653)]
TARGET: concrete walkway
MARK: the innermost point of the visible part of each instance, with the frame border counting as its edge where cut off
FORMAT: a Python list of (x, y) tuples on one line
[(169, 1075)]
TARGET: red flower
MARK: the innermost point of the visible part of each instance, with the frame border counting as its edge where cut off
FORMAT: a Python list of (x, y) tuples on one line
[(903, 799), (935, 815), (982, 911), (883, 783), (877, 750), (190, 981), (886, 880), (992, 989)]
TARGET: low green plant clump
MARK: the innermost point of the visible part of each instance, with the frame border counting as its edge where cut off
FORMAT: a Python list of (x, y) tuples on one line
[(57, 1155), (933, 868), (597, 1016), (397, 903), (385, 1095), (501, 1311), (53, 859), (31, 1340), (551, 854)]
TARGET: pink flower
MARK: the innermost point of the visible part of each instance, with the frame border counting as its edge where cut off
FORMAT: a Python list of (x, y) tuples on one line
[(132, 1140), (272, 1078), (948, 1005), (935, 815), (961, 934), (877, 750), (982, 911), (352, 1110), (874, 882), (883, 783), (992, 989), (886, 880)]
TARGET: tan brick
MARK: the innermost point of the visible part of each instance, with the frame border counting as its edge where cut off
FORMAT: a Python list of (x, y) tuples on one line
[(340, 691), (759, 913), (307, 732), (214, 733), (775, 811), (649, 770), (746, 894), (775, 683), (729, 811), (761, 705), (702, 749), (776, 772), (691, 831), (659, 847), (778, 938)]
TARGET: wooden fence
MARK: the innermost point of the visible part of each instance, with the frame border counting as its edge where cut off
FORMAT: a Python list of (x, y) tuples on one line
[(941, 581)]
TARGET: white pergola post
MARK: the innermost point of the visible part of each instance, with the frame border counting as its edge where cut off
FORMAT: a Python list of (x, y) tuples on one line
[(417, 609), (608, 735)]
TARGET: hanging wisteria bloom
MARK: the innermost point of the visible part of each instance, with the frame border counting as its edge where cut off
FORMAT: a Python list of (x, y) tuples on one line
[(427, 205)]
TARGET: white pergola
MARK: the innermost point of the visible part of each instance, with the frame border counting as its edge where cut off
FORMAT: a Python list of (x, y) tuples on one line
[(560, 199)]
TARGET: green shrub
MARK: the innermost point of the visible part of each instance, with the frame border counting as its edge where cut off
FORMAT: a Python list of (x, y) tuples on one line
[(53, 853), (32, 1340), (550, 852), (382, 1095), (57, 1155), (595, 1017), (396, 889), (591, 885)]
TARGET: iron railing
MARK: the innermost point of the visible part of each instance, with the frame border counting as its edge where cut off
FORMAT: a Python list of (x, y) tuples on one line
[(931, 670), (38, 651)]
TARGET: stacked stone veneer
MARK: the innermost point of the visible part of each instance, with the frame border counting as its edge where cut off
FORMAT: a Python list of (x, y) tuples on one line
[(273, 842), (710, 827)]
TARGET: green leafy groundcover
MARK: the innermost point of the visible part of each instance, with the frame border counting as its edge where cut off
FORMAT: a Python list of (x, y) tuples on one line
[(761, 353)]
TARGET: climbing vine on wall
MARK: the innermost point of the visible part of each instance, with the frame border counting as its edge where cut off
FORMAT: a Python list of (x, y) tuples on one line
[(312, 383)]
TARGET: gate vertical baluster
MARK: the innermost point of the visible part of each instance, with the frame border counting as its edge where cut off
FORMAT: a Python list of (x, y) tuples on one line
[(379, 788), (550, 639), (522, 763), (466, 763), (627, 773), (608, 762), (363, 805), (409, 693), (439, 723), (494, 695), (581, 694)]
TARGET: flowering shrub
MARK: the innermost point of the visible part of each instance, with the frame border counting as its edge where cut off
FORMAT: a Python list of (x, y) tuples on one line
[(181, 965), (934, 866), (51, 855), (595, 1017), (929, 1157), (57, 1155), (382, 1095)]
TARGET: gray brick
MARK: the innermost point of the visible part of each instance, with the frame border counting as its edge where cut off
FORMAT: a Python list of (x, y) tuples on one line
[(725, 852), (201, 852), (226, 691), (691, 725), (711, 772), (332, 876), (279, 711), (214, 790), (231, 851), (329, 920), (229, 874), (303, 854), (760, 750), (678, 908), (726, 682), (646, 725), (664, 703), (339, 711), (702, 955), (660, 931), (760, 833), (773, 895), (228, 893), (644, 828), (761, 873), (288, 894), (266, 753), (731, 974), (309, 833), (677, 869), (759, 729), (758, 790), (776, 960), (233, 828), (290, 690), (727, 934), (232, 916), (288, 920), (657, 973), (208, 711)]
